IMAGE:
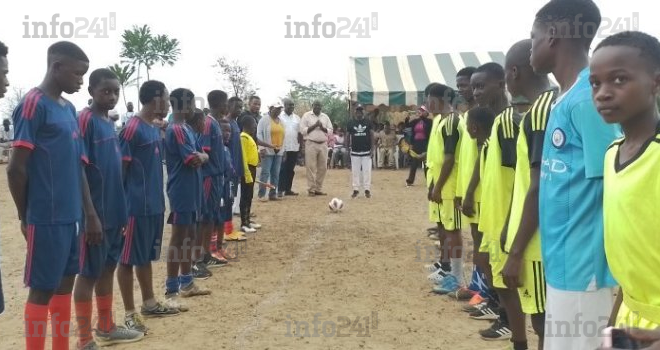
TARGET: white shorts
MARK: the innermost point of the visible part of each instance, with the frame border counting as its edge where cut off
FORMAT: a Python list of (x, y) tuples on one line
[(575, 320)]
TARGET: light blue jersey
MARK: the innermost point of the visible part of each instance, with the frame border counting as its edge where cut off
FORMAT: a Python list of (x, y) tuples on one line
[(571, 192)]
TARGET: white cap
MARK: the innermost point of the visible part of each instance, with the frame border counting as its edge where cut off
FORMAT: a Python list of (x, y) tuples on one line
[(276, 104)]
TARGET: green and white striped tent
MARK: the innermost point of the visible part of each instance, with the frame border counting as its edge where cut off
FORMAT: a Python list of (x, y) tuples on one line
[(400, 80)]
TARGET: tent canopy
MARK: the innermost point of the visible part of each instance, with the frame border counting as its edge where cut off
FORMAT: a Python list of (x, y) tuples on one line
[(401, 80)]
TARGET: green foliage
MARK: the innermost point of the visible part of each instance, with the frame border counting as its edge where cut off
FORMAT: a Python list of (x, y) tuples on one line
[(125, 75), (333, 100), (236, 75)]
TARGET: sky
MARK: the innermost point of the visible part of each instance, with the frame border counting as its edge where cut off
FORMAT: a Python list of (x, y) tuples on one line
[(254, 33)]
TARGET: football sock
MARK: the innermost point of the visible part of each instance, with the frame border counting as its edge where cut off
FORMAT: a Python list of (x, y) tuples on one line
[(60, 320), (84, 320), (104, 306), (457, 269), (36, 321)]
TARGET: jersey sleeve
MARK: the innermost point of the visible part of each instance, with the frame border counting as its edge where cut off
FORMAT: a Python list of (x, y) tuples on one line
[(28, 117), (175, 138), (451, 134), (507, 133), (244, 147), (206, 136), (126, 140), (596, 136), (86, 128), (538, 119)]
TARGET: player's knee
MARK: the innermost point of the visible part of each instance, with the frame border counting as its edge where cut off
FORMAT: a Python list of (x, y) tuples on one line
[(40, 296)]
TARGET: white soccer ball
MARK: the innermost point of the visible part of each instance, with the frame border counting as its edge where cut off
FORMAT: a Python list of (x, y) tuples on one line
[(336, 205)]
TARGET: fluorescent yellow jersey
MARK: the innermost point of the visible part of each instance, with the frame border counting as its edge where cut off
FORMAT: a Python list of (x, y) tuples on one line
[(250, 155), (431, 151), (631, 203), (466, 162), (498, 161), (444, 141), (529, 154)]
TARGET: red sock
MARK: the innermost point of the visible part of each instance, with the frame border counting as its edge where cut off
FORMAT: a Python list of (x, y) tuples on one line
[(36, 322), (214, 241), (104, 306), (60, 320), (84, 319), (229, 227)]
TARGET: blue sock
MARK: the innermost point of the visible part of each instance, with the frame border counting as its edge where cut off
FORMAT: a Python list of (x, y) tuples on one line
[(185, 280), (172, 285), (474, 281)]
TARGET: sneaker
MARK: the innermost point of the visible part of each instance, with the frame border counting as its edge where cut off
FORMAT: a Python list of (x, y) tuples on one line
[(433, 229), (408, 183), (173, 301), (437, 276), (263, 199), (274, 198), (91, 345), (234, 236), (434, 236), (134, 322), (290, 193), (319, 193), (497, 331), (485, 313), (311, 193), (200, 272), (212, 261), (118, 335), (280, 195), (254, 225), (474, 308), (355, 194), (431, 268), (193, 290), (160, 310), (367, 194), (476, 299), (462, 294), (448, 285), (248, 229)]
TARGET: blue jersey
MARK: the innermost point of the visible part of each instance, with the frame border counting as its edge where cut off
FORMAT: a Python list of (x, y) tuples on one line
[(104, 170), (50, 130), (571, 192), (235, 148), (211, 142), (184, 186), (141, 148)]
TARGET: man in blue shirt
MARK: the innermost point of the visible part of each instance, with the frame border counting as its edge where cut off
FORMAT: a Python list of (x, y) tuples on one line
[(571, 186)]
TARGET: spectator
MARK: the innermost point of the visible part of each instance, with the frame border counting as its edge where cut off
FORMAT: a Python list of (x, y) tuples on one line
[(270, 131), (315, 127), (7, 131), (292, 141), (421, 132), (128, 115), (340, 151), (386, 147)]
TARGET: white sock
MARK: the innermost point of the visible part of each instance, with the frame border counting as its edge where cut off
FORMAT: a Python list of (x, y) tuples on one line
[(457, 269)]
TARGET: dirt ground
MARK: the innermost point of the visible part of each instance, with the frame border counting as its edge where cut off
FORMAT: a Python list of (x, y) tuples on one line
[(305, 264)]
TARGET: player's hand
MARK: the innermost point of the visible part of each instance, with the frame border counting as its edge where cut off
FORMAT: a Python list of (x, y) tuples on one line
[(422, 156), (458, 203), (24, 230), (511, 272), (196, 160), (435, 195), (262, 152), (93, 230), (468, 206), (203, 157), (644, 336), (503, 237)]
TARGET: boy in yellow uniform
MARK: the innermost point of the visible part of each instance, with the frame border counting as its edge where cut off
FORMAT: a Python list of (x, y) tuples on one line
[(523, 269), (625, 81), (250, 162), (442, 187)]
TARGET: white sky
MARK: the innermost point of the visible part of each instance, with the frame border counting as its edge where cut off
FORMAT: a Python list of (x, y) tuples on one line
[(253, 32)]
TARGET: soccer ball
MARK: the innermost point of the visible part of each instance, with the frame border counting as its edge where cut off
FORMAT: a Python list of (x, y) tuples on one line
[(336, 205)]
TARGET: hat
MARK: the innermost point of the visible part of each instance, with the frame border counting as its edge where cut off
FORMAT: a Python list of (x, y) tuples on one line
[(276, 104), (359, 106), (423, 108)]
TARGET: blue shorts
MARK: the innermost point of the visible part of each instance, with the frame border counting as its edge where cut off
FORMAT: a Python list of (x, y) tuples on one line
[(211, 200), (182, 218), (95, 258), (143, 239), (52, 253)]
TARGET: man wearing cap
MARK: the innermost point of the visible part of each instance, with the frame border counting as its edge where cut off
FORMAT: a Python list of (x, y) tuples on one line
[(421, 132), (361, 142), (315, 128), (271, 131), (292, 140)]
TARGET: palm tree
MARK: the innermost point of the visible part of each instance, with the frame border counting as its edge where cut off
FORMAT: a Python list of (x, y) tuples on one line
[(125, 76), (163, 50)]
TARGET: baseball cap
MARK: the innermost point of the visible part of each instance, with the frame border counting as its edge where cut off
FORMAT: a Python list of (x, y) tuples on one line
[(359, 106), (276, 104)]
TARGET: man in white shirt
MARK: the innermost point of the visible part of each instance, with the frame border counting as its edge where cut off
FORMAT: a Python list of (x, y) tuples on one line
[(315, 128), (129, 114), (292, 140)]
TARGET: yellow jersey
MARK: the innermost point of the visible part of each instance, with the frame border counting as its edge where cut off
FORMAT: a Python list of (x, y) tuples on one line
[(277, 134), (468, 157), (529, 154), (631, 203), (445, 138), (250, 155), (497, 165)]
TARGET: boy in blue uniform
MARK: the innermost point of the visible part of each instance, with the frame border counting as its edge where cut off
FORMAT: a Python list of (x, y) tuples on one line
[(235, 150), (143, 183), (104, 176), (184, 160), (45, 175)]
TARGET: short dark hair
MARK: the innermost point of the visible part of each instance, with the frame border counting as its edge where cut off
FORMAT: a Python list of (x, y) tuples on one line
[(216, 98), (234, 99), (181, 98), (99, 74), (428, 87), (648, 45), (444, 92), (199, 114), (66, 49), (483, 116), (151, 89), (577, 19), (254, 97), (3, 49), (492, 69), (466, 72)]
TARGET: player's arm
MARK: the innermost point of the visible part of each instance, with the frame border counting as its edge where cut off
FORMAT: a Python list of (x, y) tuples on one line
[(175, 138), (615, 309), (450, 135), (93, 227), (468, 201)]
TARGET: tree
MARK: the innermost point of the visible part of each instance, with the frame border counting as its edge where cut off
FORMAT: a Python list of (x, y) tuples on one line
[(334, 101), (141, 48), (12, 100), (236, 75), (125, 75)]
